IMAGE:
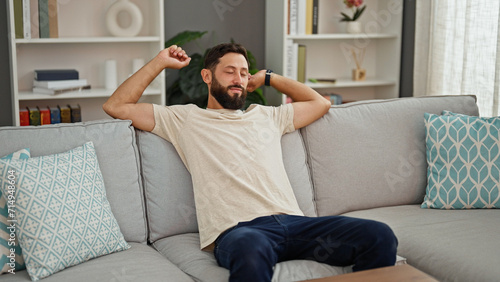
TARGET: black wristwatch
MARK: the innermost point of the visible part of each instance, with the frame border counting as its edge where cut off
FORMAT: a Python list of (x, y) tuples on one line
[(268, 77)]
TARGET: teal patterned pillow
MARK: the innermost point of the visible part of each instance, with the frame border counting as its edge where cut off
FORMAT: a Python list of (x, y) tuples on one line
[(463, 157), (63, 214), (11, 257)]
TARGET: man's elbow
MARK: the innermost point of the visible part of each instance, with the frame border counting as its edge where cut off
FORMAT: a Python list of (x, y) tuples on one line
[(107, 108), (325, 105), (111, 109)]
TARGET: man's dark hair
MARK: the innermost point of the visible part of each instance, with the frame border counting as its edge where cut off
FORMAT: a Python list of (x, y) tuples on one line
[(217, 52)]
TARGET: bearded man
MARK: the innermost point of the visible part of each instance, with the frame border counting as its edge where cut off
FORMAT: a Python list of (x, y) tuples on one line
[(246, 210)]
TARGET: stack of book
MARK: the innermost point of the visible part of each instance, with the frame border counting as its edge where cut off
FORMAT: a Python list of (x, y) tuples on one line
[(36, 19), (50, 115), (58, 81), (303, 17)]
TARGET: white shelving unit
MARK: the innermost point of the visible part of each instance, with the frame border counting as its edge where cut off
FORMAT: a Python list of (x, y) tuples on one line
[(84, 44), (328, 53)]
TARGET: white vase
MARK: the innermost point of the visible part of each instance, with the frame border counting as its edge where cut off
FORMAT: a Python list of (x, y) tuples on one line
[(127, 7), (110, 74), (353, 27)]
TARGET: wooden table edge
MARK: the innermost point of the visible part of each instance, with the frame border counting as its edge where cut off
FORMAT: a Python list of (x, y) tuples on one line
[(395, 273)]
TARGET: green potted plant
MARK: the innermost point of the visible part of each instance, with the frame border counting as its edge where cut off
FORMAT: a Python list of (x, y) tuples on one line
[(189, 86)]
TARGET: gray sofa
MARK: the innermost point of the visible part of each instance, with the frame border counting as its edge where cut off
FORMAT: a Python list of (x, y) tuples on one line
[(364, 159)]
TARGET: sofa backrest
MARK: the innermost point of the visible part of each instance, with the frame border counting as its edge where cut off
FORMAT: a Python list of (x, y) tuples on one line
[(294, 158), (169, 192), (372, 154), (168, 189), (117, 154)]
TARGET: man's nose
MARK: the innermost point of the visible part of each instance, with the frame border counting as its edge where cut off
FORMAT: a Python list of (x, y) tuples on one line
[(237, 79)]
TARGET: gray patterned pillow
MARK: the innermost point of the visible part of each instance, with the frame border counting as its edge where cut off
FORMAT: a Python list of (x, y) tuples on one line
[(63, 214)]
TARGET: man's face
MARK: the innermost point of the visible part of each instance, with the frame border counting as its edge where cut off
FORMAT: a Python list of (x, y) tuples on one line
[(229, 81)]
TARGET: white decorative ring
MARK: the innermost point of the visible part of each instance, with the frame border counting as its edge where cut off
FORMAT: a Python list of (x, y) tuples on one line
[(112, 19)]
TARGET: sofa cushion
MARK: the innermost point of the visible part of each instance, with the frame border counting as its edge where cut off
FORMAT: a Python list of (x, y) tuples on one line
[(114, 141), (294, 158), (451, 245), (139, 263), (184, 251), (372, 153), (10, 261), (62, 215), (168, 186), (463, 156)]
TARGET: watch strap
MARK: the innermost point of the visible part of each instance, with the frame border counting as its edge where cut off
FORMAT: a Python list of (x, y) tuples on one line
[(267, 82)]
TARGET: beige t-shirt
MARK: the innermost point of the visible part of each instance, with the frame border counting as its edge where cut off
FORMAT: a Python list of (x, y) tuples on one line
[(235, 162)]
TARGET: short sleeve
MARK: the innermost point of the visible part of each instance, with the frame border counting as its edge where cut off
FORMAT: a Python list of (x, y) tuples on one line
[(169, 121), (284, 117)]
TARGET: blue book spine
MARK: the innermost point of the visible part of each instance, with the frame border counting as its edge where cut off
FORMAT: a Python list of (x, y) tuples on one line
[(55, 115), (44, 75)]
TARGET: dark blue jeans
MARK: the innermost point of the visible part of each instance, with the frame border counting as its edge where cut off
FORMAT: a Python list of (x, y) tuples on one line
[(251, 249)]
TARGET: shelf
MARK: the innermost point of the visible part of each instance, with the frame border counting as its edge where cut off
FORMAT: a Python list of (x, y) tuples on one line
[(346, 83), (342, 36), (88, 40), (328, 54), (84, 43), (92, 93)]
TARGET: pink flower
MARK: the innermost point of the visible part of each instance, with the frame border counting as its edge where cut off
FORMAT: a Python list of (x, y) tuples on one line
[(353, 3)]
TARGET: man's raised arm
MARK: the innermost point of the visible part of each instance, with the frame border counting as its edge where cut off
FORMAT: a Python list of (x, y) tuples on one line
[(123, 103), (308, 104)]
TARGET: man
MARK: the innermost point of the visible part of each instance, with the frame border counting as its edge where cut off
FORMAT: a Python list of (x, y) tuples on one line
[(247, 212)]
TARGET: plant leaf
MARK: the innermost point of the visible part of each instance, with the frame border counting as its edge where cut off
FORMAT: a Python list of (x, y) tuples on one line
[(184, 37), (346, 18), (358, 13), (252, 63), (190, 80)]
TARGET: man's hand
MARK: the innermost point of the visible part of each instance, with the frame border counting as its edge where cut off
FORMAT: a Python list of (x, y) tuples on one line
[(174, 57), (257, 80), (308, 104)]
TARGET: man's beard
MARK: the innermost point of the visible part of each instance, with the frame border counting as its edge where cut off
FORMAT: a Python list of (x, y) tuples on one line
[(220, 93)]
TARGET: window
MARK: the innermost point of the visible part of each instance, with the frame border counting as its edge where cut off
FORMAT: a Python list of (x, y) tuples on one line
[(457, 51)]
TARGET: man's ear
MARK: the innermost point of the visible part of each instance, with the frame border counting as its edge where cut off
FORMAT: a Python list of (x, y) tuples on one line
[(206, 74)]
